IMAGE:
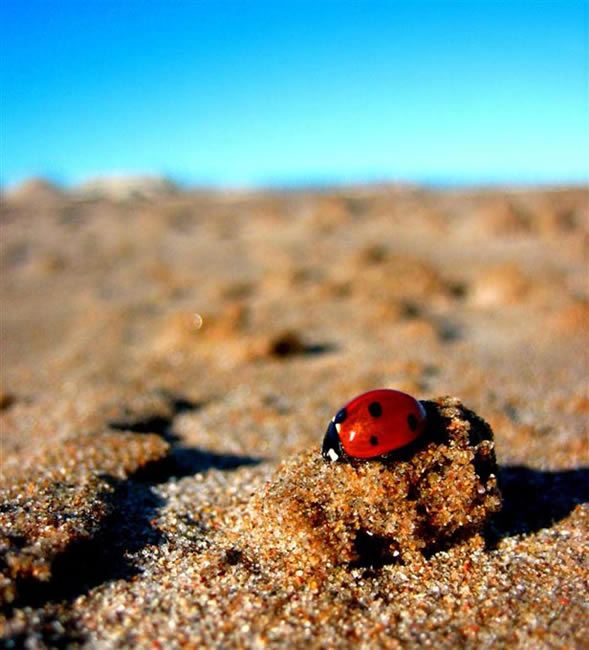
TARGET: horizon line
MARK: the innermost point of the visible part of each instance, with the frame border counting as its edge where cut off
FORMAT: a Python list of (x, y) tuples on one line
[(182, 182)]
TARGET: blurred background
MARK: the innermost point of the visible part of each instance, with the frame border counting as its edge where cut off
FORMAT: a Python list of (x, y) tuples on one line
[(407, 203), (239, 93)]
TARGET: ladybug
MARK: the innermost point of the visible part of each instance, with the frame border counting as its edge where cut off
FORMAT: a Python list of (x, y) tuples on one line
[(372, 425)]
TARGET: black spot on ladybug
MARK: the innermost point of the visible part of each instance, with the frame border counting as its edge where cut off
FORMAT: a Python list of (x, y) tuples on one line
[(374, 441), (412, 421), (375, 409), (340, 416)]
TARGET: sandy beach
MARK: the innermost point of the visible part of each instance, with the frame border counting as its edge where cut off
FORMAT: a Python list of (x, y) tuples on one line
[(171, 360)]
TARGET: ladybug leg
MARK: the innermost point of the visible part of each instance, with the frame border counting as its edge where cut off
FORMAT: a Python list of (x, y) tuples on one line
[(332, 447)]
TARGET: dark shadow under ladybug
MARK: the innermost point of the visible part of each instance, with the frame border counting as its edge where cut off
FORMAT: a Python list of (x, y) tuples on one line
[(535, 499)]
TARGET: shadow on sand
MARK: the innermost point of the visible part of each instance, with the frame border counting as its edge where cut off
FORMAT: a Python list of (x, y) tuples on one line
[(535, 499)]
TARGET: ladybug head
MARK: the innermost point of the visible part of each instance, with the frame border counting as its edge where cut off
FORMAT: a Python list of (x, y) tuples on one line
[(332, 446)]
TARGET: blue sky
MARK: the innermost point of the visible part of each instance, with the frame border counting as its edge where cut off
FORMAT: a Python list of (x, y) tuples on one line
[(288, 91)]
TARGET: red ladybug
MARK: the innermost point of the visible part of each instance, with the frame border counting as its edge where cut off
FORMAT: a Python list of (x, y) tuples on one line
[(373, 424)]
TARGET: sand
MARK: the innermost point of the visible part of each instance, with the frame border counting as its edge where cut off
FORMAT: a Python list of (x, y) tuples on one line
[(170, 362)]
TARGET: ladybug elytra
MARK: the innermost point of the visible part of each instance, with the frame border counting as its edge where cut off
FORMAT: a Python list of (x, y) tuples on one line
[(372, 425)]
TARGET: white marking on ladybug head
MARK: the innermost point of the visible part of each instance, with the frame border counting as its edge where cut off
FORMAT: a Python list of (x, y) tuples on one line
[(331, 453), (338, 426)]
